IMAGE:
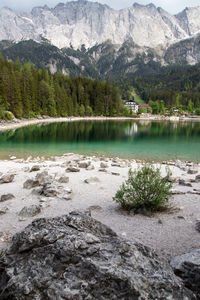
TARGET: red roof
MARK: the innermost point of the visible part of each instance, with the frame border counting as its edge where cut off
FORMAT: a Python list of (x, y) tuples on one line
[(143, 105)]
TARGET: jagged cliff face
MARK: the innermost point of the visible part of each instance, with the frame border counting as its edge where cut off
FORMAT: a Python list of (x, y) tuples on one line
[(91, 23)]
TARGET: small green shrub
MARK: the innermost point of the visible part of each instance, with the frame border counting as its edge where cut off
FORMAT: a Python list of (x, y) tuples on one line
[(6, 115), (145, 190)]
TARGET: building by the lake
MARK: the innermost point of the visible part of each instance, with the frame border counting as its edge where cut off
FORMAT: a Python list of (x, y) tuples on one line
[(132, 105)]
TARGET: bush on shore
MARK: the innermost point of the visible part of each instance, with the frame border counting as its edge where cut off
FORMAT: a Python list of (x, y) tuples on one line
[(145, 190), (6, 115)]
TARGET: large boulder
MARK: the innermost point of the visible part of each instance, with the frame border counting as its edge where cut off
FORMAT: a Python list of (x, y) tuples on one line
[(77, 257), (187, 266)]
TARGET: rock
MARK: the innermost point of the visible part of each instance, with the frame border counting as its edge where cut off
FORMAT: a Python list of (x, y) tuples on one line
[(103, 170), (44, 178), (132, 212), (49, 190), (92, 180), (187, 266), (30, 183), (7, 178), (77, 257), (66, 197), (177, 192), (192, 171), (44, 200), (197, 227), (103, 165), (13, 157), (72, 169), (63, 179), (184, 183), (3, 210), (197, 178), (181, 217), (6, 197), (172, 179), (35, 168), (193, 192), (26, 169), (115, 173), (84, 164), (116, 165), (95, 207), (67, 191), (90, 167), (30, 211)]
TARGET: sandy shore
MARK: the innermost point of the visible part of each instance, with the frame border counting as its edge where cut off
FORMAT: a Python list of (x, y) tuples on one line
[(17, 123), (169, 233)]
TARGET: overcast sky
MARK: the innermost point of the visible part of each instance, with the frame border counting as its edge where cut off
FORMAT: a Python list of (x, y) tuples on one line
[(172, 6)]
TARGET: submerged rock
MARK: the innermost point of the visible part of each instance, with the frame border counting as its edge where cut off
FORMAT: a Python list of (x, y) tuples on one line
[(77, 257)]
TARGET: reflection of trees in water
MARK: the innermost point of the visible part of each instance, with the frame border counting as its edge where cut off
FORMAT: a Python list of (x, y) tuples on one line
[(91, 131)]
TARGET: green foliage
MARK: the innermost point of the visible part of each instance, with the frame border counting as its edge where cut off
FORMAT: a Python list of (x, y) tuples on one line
[(155, 107), (82, 110), (27, 92), (176, 85), (6, 115), (142, 110), (145, 189), (127, 112), (197, 111)]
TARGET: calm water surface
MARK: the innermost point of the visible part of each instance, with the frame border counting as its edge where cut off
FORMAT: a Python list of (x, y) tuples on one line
[(142, 139)]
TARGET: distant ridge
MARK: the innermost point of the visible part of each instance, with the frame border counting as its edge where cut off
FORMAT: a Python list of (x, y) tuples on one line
[(83, 22)]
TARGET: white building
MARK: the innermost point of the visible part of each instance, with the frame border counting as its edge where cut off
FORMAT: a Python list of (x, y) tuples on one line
[(132, 105)]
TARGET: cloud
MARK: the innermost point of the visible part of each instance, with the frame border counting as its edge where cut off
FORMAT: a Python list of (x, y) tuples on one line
[(172, 6)]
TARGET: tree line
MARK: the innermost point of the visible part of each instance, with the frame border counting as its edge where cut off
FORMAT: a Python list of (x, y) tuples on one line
[(28, 92), (165, 87)]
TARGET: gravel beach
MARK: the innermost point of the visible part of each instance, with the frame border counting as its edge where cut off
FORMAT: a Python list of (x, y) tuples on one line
[(35, 188)]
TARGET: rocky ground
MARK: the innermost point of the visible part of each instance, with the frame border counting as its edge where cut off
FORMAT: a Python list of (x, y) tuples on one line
[(35, 188), (77, 257)]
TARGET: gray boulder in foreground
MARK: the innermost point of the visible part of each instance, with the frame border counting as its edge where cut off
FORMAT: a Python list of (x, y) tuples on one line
[(187, 266), (77, 257)]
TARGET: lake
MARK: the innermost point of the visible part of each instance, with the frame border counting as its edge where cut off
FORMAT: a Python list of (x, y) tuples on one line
[(149, 140)]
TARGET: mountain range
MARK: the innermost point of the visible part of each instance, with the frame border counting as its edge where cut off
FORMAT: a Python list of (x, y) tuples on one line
[(82, 37), (82, 22)]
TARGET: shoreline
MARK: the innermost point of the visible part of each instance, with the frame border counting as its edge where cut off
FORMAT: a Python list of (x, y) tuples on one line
[(170, 233), (18, 123)]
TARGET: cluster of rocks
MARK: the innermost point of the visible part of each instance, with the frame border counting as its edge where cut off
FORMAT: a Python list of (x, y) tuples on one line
[(45, 185), (77, 257)]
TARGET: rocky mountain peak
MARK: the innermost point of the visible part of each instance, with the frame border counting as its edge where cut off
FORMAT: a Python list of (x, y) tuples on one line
[(90, 23)]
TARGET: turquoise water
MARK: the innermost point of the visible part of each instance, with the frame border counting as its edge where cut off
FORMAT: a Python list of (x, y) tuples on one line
[(130, 139)]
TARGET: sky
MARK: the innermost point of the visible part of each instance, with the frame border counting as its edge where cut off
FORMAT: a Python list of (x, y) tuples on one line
[(172, 6)]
